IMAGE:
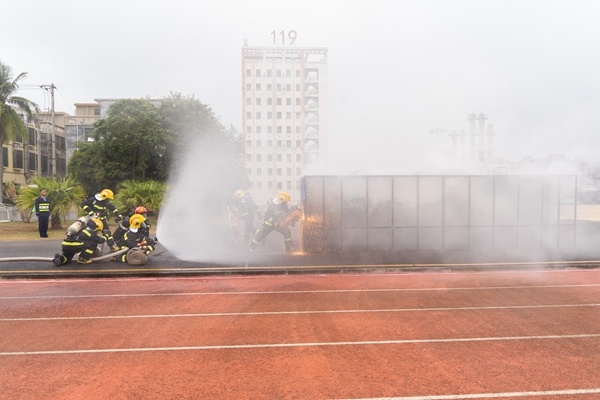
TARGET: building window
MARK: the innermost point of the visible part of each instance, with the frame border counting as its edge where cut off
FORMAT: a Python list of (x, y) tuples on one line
[(270, 171), (289, 185), (298, 157), (279, 101), (258, 115), (278, 171), (269, 87), (270, 128), (258, 101), (269, 115), (258, 156), (258, 86), (269, 144), (249, 101), (288, 129), (269, 73), (288, 115), (18, 159), (269, 185), (297, 73), (249, 157), (279, 144), (249, 115), (279, 129), (279, 73), (289, 172), (258, 73), (279, 159), (288, 87), (279, 87), (269, 157), (258, 171), (249, 129), (5, 158), (278, 114), (248, 87), (248, 72), (298, 172), (249, 171), (279, 186), (298, 101), (258, 129), (297, 87), (288, 101), (269, 101), (288, 158), (259, 185), (288, 73)]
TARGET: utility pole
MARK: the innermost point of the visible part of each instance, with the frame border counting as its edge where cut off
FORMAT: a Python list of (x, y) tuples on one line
[(52, 154)]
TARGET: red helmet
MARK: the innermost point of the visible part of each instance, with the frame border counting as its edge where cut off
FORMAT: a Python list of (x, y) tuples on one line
[(141, 210)]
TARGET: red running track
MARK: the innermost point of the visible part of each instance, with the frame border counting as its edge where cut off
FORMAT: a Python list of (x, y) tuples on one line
[(468, 335)]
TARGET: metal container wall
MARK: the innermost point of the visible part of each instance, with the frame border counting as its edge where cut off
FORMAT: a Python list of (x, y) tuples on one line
[(399, 213)]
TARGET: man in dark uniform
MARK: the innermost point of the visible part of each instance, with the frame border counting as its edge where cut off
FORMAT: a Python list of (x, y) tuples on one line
[(42, 212)]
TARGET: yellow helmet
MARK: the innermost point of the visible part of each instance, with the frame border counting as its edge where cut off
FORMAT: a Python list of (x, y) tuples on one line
[(239, 193), (107, 194), (99, 224), (283, 197), (136, 221)]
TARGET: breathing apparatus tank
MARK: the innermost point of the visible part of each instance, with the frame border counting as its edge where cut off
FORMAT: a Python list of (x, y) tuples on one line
[(78, 225)]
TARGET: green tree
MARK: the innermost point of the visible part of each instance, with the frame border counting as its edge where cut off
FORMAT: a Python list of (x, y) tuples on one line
[(11, 123), (130, 138), (64, 194), (132, 194)]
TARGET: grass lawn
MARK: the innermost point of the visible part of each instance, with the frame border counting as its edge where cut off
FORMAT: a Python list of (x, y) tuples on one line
[(11, 231)]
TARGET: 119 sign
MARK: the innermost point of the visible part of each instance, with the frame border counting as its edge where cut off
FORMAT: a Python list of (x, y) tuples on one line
[(283, 39)]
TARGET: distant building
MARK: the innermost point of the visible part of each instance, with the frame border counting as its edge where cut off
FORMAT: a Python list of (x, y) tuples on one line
[(284, 116)]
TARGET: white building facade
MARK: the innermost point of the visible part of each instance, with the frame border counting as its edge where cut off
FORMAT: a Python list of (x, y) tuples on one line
[(284, 117)]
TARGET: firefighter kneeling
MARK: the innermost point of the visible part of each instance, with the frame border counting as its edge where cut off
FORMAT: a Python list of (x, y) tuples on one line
[(136, 241), (85, 242)]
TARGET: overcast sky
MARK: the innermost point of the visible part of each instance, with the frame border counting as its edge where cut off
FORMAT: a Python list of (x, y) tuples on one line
[(397, 68)]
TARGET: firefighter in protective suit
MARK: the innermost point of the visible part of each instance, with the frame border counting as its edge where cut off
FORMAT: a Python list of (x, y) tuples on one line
[(277, 209), (124, 225), (85, 242), (242, 208), (134, 238), (100, 205)]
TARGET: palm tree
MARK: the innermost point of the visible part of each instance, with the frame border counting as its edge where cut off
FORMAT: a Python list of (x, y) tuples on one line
[(64, 194), (148, 193), (11, 123)]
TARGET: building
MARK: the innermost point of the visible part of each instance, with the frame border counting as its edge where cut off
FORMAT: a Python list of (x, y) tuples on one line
[(41, 154), (284, 117)]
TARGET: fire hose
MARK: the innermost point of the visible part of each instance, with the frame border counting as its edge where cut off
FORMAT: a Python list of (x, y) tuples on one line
[(135, 257)]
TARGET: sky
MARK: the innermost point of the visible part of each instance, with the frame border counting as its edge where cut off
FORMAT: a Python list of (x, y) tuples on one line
[(398, 69)]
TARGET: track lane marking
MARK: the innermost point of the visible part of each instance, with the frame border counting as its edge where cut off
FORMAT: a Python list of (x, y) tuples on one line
[(259, 313), (303, 291), (290, 345), (490, 395)]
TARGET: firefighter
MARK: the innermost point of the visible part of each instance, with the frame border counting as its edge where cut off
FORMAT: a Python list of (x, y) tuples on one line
[(242, 208), (134, 238), (124, 225), (84, 242), (277, 210), (100, 205)]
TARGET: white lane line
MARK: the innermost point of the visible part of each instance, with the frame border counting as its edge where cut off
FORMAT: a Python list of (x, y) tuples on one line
[(289, 345), (490, 395), (444, 289), (259, 313)]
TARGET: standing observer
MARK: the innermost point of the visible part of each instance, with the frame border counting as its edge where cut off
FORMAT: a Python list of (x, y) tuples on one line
[(42, 212)]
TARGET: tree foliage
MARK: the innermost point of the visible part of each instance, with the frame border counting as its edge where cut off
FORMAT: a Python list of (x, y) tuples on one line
[(144, 140), (132, 194), (11, 123)]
